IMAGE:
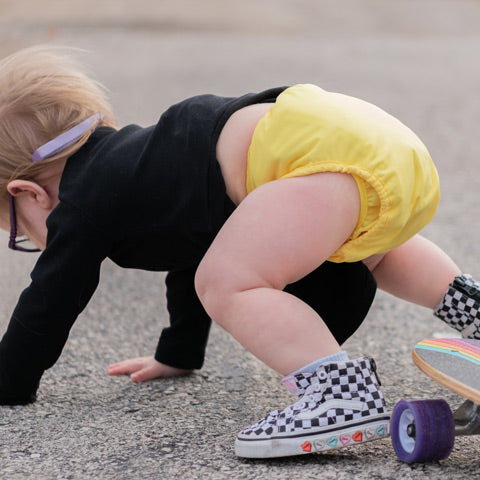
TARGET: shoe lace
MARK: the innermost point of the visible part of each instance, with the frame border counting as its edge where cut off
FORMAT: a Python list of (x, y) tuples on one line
[(313, 392)]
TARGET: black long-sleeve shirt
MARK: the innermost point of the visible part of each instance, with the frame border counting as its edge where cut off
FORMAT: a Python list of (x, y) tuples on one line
[(147, 198)]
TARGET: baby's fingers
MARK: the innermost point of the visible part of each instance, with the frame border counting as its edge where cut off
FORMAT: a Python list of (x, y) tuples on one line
[(147, 373), (126, 367)]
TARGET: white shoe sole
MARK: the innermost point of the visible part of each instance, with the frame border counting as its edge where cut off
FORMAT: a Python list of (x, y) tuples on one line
[(315, 440)]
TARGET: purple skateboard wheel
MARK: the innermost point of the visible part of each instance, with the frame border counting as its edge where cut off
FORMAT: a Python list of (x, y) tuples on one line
[(422, 430)]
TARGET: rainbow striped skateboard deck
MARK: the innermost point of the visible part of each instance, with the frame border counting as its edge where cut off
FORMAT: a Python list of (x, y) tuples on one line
[(424, 430), (453, 363)]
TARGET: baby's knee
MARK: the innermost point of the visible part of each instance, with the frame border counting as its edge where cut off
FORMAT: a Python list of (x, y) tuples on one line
[(212, 290), (220, 286)]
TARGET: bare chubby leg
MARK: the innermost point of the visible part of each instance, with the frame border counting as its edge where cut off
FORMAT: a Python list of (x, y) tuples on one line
[(418, 271), (281, 232)]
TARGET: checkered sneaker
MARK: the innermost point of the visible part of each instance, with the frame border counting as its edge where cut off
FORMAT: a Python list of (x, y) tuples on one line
[(460, 307), (342, 405)]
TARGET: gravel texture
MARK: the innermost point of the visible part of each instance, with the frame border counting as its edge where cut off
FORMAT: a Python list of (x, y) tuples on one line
[(416, 59)]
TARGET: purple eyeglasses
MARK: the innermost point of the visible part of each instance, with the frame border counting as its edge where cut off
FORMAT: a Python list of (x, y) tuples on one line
[(47, 150)]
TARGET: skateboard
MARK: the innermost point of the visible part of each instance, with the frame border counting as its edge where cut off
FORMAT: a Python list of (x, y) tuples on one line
[(424, 430)]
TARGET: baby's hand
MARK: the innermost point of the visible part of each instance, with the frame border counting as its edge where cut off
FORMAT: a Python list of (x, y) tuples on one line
[(145, 368)]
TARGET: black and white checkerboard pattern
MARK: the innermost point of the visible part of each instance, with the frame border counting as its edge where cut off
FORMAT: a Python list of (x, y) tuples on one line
[(298, 383), (352, 380), (460, 307)]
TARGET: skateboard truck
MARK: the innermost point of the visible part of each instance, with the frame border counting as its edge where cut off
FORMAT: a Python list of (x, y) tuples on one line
[(467, 419)]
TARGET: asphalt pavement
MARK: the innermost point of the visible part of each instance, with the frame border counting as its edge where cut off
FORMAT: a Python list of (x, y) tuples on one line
[(417, 59)]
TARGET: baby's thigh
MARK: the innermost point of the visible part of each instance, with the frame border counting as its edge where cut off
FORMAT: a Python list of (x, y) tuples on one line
[(373, 260), (281, 232)]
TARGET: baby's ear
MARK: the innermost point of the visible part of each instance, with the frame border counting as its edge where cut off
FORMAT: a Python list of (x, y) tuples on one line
[(33, 191)]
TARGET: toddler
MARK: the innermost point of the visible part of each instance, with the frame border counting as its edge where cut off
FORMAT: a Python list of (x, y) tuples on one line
[(275, 214)]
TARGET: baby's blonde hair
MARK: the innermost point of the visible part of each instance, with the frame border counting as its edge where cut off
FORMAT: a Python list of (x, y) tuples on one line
[(43, 93)]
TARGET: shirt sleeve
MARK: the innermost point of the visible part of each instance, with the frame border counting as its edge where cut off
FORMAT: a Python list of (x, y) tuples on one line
[(183, 343), (62, 282)]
